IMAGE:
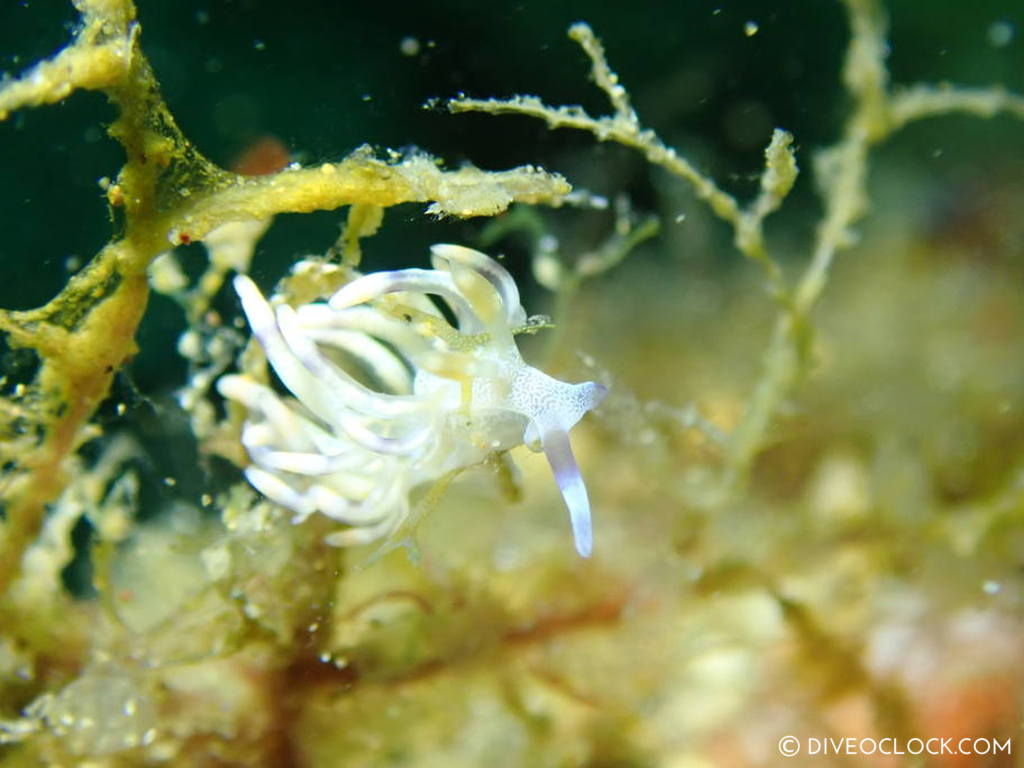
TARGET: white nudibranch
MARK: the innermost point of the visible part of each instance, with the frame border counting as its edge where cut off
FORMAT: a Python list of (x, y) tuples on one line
[(389, 395)]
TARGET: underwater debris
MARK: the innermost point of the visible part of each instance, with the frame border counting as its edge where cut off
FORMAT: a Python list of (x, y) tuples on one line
[(445, 398)]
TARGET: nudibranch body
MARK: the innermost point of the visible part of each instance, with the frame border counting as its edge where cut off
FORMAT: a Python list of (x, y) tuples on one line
[(388, 394)]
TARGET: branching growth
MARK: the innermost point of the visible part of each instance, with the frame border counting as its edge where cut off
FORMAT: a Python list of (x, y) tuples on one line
[(624, 127), (840, 173), (170, 195)]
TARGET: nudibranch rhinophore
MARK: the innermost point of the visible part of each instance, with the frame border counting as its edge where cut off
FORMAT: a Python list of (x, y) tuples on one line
[(389, 394)]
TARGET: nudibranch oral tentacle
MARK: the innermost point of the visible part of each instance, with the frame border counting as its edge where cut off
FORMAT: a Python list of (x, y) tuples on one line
[(428, 397), (570, 483)]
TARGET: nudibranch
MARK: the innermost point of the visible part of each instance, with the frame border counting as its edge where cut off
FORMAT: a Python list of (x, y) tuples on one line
[(388, 393)]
